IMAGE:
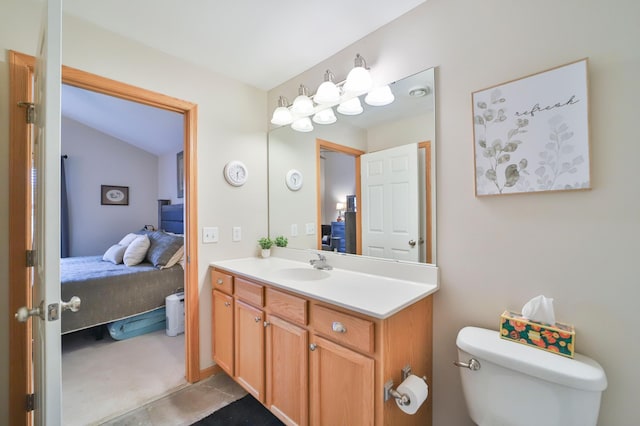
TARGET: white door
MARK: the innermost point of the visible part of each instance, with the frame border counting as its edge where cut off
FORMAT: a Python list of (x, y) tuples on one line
[(390, 210), (46, 284)]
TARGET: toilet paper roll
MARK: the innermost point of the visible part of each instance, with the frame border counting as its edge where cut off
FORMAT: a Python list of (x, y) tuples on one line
[(417, 391)]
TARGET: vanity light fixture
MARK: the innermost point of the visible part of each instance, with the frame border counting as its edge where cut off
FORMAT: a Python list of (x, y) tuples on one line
[(302, 104), (282, 115), (302, 125), (359, 79), (351, 107), (328, 92), (380, 96), (325, 116)]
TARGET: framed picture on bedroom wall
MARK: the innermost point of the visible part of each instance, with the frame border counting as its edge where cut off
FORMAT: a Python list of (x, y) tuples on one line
[(111, 195)]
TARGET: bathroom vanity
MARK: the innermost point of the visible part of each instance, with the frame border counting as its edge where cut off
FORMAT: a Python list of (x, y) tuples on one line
[(318, 346)]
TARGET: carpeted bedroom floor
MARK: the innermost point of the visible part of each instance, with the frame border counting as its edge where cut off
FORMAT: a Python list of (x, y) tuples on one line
[(104, 378), (138, 381)]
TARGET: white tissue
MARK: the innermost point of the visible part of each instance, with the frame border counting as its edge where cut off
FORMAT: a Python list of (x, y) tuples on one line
[(540, 309)]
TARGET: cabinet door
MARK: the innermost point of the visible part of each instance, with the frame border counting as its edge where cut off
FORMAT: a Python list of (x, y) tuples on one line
[(222, 339), (342, 385), (287, 377), (249, 347)]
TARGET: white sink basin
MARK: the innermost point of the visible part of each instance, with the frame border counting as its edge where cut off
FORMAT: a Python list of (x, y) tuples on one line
[(302, 274)]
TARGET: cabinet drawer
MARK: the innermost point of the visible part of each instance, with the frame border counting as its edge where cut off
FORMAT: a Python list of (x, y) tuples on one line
[(343, 328), (249, 292), (221, 281), (287, 306)]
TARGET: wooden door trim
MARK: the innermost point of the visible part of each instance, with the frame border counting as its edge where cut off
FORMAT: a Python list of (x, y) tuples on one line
[(18, 232), (20, 90)]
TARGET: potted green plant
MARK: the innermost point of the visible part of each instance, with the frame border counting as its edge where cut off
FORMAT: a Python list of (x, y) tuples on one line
[(265, 244), (281, 241)]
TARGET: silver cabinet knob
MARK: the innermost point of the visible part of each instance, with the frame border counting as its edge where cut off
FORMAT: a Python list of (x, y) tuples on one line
[(266, 324), (220, 282), (227, 304), (72, 305), (313, 347), (257, 319), (338, 327)]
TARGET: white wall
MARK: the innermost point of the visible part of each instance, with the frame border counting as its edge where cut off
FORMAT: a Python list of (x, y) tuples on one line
[(497, 252), (223, 135), (168, 177), (96, 159)]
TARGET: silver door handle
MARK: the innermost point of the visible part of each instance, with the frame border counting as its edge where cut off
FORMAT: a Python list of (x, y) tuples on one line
[(72, 305), (24, 313), (412, 243)]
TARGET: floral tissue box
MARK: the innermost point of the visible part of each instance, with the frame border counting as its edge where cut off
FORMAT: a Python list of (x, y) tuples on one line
[(558, 338)]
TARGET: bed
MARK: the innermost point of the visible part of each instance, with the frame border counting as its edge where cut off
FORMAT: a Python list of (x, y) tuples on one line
[(111, 291)]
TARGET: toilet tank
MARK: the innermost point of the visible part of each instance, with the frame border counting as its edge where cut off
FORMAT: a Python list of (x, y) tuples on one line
[(517, 385)]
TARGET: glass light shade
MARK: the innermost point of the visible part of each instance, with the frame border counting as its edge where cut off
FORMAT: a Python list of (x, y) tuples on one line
[(326, 116), (351, 107), (358, 80), (339, 206), (282, 116), (380, 96), (328, 93), (302, 105), (302, 125)]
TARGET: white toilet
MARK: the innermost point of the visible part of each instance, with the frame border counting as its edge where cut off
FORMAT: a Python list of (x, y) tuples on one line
[(509, 384)]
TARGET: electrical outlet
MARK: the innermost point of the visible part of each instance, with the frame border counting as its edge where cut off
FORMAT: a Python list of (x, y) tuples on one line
[(210, 235), (310, 228), (294, 230), (236, 234)]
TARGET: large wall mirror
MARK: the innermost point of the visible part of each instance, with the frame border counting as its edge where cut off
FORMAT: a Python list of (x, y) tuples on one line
[(364, 185)]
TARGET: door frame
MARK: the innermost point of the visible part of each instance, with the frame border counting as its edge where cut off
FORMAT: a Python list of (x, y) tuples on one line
[(21, 72)]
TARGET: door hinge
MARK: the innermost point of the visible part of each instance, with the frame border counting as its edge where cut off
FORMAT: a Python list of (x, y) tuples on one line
[(31, 402), (31, 258), (30, 111)]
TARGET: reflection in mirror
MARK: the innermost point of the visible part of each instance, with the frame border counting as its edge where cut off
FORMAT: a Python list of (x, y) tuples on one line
[(368, 183)]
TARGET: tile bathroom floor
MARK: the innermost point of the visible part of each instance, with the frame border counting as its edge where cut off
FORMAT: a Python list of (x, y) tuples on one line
[(186, 406)]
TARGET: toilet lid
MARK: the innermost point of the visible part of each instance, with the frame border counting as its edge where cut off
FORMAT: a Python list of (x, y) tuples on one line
[(581, 372)]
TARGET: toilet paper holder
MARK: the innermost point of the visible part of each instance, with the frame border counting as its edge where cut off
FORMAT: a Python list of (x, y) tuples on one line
[(390, 392)]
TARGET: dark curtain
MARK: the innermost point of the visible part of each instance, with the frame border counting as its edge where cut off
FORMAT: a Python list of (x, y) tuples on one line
[(64, 212)]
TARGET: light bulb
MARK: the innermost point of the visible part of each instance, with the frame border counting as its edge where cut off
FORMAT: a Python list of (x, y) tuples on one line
[(359, 79), (282, 115), (302, 105), (328, 92)]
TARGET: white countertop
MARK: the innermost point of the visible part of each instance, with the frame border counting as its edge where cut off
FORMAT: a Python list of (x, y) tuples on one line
[(373, 295)]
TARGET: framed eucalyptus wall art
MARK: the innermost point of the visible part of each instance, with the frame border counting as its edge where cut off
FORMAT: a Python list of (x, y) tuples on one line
[(532, 134)]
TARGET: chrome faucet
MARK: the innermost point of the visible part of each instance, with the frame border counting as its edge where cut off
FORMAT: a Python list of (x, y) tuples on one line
[(320, 263)]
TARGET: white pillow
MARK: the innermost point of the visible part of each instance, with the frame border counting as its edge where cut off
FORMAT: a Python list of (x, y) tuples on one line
[(136, 251), (128, 239), (178, 255), (114, 254)]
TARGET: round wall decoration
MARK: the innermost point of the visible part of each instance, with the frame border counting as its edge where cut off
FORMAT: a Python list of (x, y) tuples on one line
[(236, 173), (294, 179)]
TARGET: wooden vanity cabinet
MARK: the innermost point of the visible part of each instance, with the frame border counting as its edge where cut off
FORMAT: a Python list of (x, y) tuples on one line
[(313, 363), (222, 327)]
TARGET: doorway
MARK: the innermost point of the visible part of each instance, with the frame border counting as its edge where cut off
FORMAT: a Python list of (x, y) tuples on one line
[(19, 213)]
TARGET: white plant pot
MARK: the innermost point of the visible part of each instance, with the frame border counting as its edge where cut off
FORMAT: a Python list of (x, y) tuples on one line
[(266, 253)]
